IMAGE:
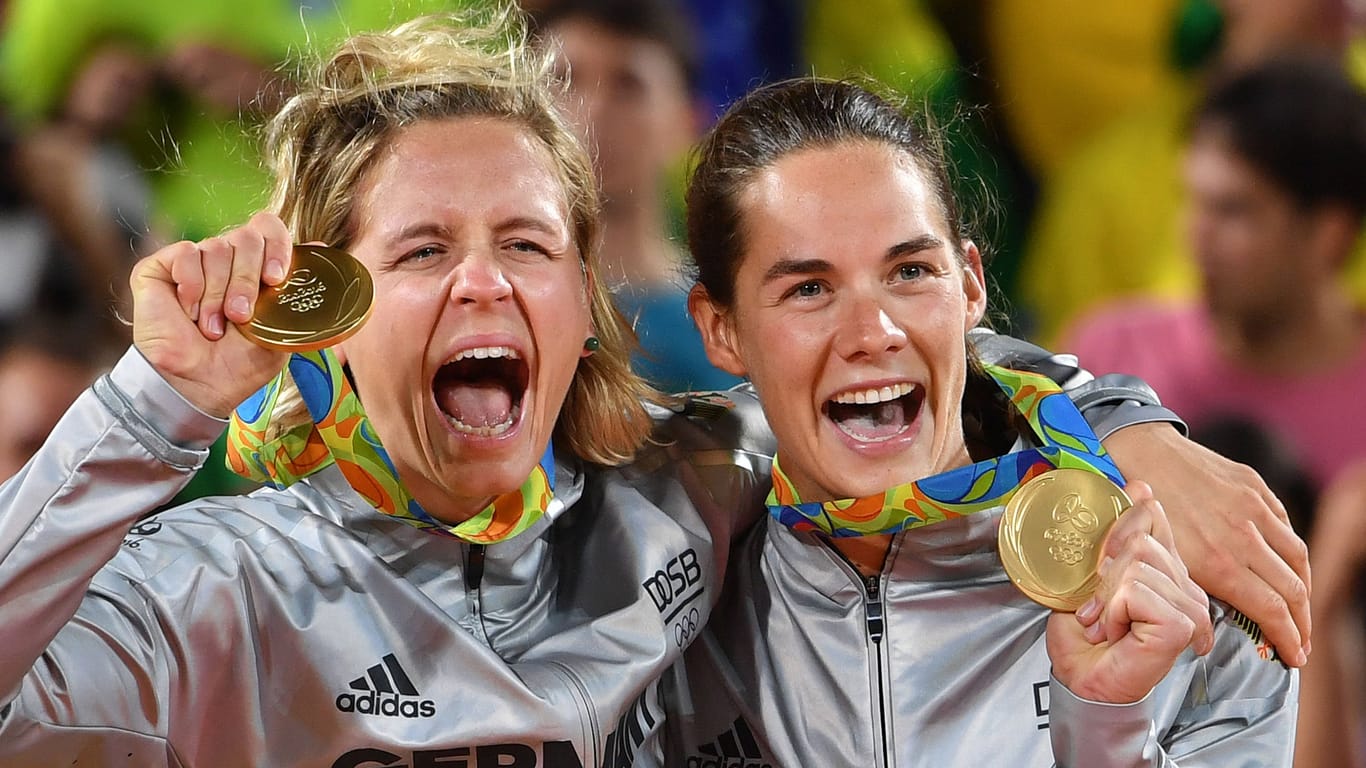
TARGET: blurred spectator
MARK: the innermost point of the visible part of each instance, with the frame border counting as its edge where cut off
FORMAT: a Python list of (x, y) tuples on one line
[(44, 271), (1108, 221), (1277, 201), (631, 70), (1332, 722), (45, 363), (175, 85)]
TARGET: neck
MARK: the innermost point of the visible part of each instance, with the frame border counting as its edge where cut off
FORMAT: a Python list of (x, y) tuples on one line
[(868, 554), (1275, 342), (635, 248), (456, 510)]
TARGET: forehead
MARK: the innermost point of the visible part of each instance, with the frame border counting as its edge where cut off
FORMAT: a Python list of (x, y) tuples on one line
[(1213, 164), (843, 196), (591, 46), (470, 164)]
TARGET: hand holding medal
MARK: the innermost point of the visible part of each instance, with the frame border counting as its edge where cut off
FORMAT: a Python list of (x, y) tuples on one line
[(1135, 612), (216, 317)]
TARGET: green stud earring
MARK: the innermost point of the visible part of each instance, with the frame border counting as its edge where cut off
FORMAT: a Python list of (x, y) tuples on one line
[(591, 344)]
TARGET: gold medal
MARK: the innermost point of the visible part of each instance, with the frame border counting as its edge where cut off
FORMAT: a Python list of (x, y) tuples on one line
[(1051, 533), (326, 298)]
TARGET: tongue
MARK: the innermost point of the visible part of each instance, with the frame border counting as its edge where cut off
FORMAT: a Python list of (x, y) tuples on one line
[(476, 404), (870, 422)]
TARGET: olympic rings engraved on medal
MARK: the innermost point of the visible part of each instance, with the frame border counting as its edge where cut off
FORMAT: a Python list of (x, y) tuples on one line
[(1068, 548), (307, 294)]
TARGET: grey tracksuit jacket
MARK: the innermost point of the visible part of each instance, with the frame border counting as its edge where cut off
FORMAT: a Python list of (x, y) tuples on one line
[(302, 628), (939, 662)]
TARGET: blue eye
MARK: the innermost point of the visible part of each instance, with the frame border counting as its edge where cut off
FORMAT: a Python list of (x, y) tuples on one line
[(808, 289), (528, 247), (423, 253), (910, 271)]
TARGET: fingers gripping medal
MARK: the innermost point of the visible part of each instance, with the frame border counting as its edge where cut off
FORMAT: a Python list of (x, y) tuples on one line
[(1051, 534), (326, 298)]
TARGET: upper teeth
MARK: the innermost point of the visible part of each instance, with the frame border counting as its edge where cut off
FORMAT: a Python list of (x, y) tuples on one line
[(485, 352), (871, 396)]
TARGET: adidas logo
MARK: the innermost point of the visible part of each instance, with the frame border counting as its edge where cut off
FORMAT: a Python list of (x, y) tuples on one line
[(386, 690), (734, 748)]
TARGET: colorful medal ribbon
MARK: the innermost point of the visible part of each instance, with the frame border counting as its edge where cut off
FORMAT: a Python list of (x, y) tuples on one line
[(1068, 441), (341, 433)]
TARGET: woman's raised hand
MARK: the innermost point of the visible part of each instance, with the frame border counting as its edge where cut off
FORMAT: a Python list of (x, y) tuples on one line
[(186, 298), (1144, 614)]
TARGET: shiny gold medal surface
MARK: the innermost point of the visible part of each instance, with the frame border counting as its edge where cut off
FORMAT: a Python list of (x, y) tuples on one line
[(1051, 533), (326, 298)]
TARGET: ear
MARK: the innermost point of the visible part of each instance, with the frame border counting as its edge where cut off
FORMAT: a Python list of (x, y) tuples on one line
[(718, 337), (974, 286), (1335, 231)]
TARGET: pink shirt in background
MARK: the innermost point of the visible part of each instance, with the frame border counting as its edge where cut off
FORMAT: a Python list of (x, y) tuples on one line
[(1321, 416)]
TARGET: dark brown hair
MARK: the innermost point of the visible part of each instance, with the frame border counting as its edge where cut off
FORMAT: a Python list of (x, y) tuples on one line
[(777, 120)]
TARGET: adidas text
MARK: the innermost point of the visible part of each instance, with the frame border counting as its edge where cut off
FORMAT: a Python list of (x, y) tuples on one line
[(387, 704)]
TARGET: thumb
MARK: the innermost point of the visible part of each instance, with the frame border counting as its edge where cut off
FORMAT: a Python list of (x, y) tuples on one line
[(1138, 491)]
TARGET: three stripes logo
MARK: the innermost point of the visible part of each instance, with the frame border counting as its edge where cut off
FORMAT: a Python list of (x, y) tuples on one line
[(385, 690), (734, 748)]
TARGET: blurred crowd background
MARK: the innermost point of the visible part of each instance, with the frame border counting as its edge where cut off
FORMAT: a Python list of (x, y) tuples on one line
[(1171, 188)]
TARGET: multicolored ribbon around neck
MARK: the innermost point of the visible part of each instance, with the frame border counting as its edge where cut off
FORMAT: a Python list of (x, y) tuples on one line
[(1068, 441), (341, 433)]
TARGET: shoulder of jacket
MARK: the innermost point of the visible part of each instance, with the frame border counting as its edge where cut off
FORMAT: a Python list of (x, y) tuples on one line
[(730, 420), (217, 533)]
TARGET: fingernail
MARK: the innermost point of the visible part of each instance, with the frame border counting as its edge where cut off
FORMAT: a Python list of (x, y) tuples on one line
[(1105, 565), (1088, 611), (1095, 633), (194, 312), (239, 306), (275, 271), (1301, 659), (1308, 647), (216, 324)]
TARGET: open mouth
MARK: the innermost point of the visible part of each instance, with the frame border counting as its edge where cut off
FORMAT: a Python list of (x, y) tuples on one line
[(876, 415), (480, 391)]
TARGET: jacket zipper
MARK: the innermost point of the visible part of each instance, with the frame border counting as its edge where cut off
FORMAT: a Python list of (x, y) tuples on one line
[(875, 626), (474, 577), (872, 587), (474, 574)]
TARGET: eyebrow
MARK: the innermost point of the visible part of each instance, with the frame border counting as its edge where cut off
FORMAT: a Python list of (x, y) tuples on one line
[(422, 229), (787, 267), (432, 229)]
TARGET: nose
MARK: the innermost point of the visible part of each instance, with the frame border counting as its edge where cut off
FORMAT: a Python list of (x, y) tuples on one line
[(479, 279), (867, 331)]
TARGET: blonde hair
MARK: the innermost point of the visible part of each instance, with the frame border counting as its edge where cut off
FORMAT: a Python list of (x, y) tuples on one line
[(477, 63)]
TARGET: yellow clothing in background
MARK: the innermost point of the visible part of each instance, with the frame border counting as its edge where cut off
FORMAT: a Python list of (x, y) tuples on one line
[(896, 42), (1067, 69)]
